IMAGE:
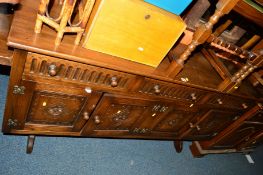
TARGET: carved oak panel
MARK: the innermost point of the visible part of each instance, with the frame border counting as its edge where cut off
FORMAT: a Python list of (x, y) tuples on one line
[(169, 90), (67, 109), (211, 123), (54, 108), (243, 133), (119, 113), (52, 68), (174, 121)]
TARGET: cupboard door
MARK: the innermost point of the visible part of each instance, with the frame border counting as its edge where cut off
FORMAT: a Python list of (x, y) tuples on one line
[(119, 115), (174, 121), (210, 124), (243, 133), (252, 143), (54, 108)]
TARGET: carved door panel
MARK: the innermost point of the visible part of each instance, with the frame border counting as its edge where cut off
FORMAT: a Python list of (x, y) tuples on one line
[(254, 142), (174, 120), (153, 115), (210, 124), (55, 108), (118, 115), (243, 133)]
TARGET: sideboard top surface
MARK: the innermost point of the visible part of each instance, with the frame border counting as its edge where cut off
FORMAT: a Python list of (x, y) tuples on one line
[(22, 36)]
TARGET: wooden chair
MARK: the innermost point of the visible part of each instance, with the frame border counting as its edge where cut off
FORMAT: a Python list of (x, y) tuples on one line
[(251, 59)]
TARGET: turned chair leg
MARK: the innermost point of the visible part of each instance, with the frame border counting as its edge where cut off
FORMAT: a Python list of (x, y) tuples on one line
[(30, 144), (178, 146)]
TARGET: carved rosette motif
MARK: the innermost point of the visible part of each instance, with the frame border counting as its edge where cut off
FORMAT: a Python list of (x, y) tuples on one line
[(121, 114), (172, 122), (46, 110), (56, 110), (118, 116)]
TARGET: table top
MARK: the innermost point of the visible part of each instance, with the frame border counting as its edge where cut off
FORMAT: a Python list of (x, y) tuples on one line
[(22, 36)]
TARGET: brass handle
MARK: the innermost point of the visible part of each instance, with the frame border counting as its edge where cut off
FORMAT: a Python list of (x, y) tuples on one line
[(193, 96), (85, 115), (198, 128), (97, 119), (236, 117), (214, 134), (247, 139), (191, 125), (157, 89), (244, 105), (219, 101), (113, 82), (88, 90), (52, 70)]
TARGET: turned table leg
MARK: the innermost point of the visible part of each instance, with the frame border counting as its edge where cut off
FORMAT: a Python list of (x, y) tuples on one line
[(178, 146), (30, 144)]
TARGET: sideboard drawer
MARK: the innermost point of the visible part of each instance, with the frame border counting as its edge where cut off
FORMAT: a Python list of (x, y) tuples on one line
[(50, 108), (162, 89), (67, 109), (229, 101), (41, 66)]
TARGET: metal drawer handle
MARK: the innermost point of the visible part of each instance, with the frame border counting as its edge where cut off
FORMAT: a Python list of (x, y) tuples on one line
[(88, 90), (198, 128), (193, 96), (157, 89), (244, 105), (191, 125), (86, 116), (97, 119), (113, 82), (219, 101), (52, 70)]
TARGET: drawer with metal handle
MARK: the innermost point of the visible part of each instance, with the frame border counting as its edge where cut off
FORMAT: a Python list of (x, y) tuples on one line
[(169, 90), (40, 66)]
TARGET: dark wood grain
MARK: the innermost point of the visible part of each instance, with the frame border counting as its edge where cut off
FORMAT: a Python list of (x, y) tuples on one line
[(71, 91), (249, 12)]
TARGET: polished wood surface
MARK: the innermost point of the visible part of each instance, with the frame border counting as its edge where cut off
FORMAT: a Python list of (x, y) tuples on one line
[(249, 12), (71, 91), (22, 36), (25, 38)]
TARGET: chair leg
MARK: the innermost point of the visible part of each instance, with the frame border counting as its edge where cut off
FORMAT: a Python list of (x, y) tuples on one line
[(178, 146), (30, 144)]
